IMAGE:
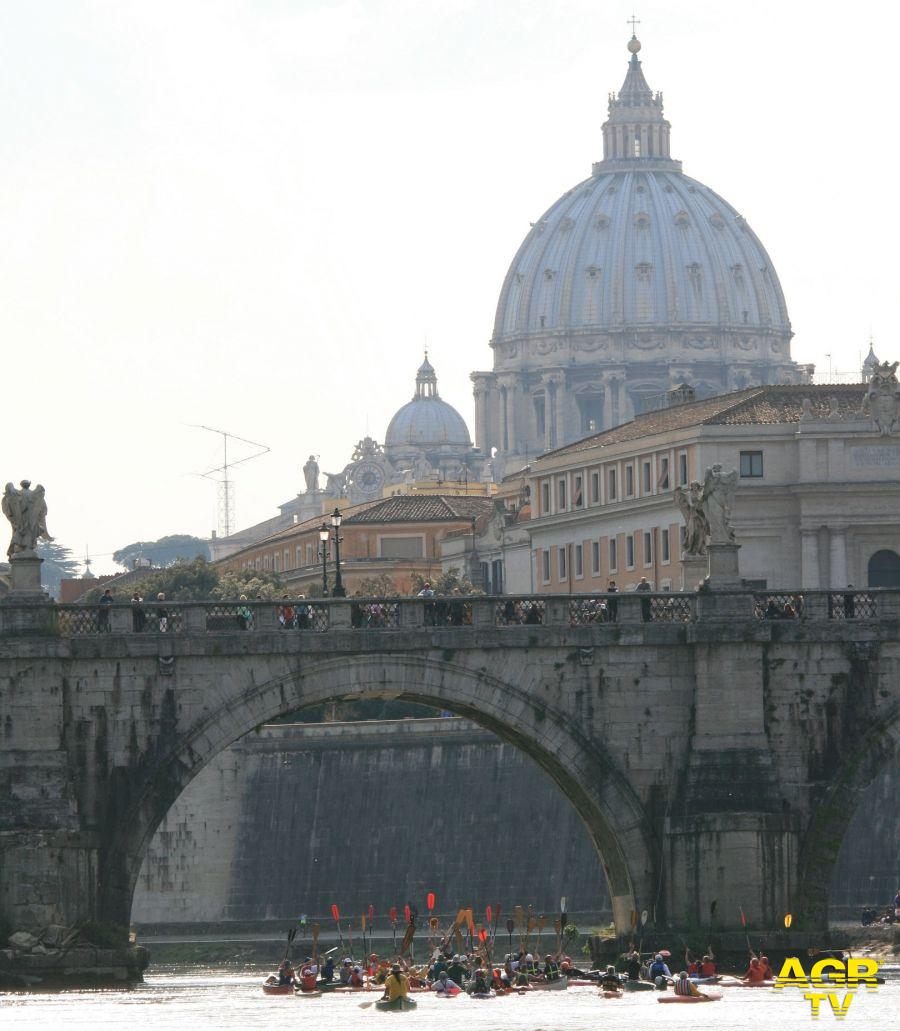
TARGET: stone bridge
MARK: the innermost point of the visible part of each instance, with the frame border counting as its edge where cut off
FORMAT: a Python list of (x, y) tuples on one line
[(715, 755)]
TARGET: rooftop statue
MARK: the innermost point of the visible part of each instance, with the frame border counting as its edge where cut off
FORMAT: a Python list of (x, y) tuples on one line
[(311, 474), (882, 399), (26, 510)]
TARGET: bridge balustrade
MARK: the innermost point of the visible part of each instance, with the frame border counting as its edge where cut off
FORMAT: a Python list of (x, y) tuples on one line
[(323, 615)]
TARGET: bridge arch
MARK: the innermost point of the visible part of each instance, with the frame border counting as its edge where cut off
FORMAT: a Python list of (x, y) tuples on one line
[(610, 809), (821, 844)]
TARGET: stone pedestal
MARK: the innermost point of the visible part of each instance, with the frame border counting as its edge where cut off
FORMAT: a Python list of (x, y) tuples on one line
[(693, 569), (724, 571), (25, 576)]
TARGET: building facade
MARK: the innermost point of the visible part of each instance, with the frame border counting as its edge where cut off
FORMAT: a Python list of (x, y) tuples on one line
[(635, 280), (817, 503), (397, 537)]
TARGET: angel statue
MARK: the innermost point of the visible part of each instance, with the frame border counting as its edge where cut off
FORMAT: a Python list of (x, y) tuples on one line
[(696, 526), (717, 496), (26, 510)]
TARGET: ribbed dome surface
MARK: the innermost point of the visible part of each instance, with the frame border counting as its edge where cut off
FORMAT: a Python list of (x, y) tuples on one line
[(427, 421), (639, 249)]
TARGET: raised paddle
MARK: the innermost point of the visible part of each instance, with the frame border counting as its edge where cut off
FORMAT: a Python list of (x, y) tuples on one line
[(496, 921), (744, 925), (788, 920), (510, 927), (335, 912), (540, 931), (291, 935), (645, 916), (393, 915), (365, 949), (315, 939)]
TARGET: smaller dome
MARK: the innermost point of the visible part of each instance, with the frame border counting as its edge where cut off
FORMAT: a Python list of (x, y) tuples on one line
[(427, 421)]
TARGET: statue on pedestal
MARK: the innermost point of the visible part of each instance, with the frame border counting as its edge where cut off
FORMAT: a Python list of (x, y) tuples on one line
[(882, 399), (696, 526), (26, 510), (311, 475), (716, 498)]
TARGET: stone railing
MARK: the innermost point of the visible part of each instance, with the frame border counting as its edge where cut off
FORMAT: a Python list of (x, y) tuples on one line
[(320, 615)]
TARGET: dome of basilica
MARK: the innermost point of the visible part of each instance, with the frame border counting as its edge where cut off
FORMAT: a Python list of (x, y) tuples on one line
[(637, 279), (426, 422)]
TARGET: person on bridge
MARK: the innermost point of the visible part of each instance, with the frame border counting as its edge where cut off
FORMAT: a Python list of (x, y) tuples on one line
[(396, 984)]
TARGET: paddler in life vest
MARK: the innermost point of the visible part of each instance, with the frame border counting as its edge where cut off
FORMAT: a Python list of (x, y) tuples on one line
[(481, 985), (551, 968), (610, 981), (396, 984), (708, 964), (633, 965), (684, 985), (286, 973), (328, 971), (659, 972), (345, 971), (357, 977), (756, 972), (444, 986), (308, 974)]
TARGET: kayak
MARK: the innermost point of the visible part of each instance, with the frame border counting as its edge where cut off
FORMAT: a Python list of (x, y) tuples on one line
[(582, 982), (704, 980), (399, 1005), (482, 995), (559, 985), (608, 993), (708, 997), (451, 993), (308, 995), (639, 986), (278, 989)]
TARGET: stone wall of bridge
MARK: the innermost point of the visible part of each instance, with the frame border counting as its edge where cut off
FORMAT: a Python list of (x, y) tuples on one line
[(714, 759)]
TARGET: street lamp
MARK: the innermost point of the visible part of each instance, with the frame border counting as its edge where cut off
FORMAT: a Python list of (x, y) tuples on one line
[(338, 591), (323, 552)]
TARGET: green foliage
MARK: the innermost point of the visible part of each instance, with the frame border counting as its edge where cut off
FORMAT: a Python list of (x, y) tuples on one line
[(195, 581), (174, 548), (445, 583), (381, 586), (58, 565)]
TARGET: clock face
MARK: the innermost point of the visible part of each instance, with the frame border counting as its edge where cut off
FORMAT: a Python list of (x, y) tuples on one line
[(368, 477)]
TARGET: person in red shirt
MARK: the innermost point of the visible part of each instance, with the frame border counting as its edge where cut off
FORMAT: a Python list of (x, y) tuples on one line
[(708, 964), (756, 972)]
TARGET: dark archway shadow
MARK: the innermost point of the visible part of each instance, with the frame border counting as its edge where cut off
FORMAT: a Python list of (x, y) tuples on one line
[(611, 811), (821, 844), (884, 569)]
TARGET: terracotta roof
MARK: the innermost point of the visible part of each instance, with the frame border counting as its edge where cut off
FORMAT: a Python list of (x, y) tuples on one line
[(768, 405), (421, 508)]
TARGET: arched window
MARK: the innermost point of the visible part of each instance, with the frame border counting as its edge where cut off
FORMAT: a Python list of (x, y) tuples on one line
[(884, 569)]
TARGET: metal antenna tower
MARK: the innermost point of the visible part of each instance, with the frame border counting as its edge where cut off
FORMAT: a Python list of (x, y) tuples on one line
[(224, 484)]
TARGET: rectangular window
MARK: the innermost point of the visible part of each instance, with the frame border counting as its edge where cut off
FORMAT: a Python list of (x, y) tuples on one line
[(309, 554), (613, 554), (647, 478), (629, 481), (611, 488), (577, 494), (276, 562), (751, 463), (561, 495), (545, 565), (298, 556), (595, 488), (401, 547), (545, 497), (629, 551), (682, 469), (561, 563), (664, 542), (662, 482), (648, 548), (265, 561), (287, 557), (579, 561), (595, 558)]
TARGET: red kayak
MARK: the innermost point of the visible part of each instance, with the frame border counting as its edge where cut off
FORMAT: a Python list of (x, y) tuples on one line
[(278, 989)]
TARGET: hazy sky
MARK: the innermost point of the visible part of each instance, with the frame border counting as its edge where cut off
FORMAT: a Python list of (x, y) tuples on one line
[(251, 214)]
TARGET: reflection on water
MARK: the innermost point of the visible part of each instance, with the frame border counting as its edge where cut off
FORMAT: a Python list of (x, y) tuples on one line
[(216, 999)]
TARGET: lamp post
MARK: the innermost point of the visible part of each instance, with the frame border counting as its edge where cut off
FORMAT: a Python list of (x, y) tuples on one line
[(324, 534), (338, 591)]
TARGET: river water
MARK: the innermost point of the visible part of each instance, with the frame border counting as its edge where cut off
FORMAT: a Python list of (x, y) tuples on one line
[(212, 999)]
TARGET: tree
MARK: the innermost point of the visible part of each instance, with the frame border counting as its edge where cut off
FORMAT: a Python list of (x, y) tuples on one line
[(194, 581), (163, 552), (252, 582), (381, 586), (58, 565), (445, 583)]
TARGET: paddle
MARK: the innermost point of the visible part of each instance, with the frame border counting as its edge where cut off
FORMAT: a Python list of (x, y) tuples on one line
[(315, 940), (291, 935), (557, 926), (563, 920), (393, 914), (337, 919), (744, 924), (540, 931), (520, 923), (510, 927), (496, 921), (788, 920), (644, 918), (470, 920), (365, 950)]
